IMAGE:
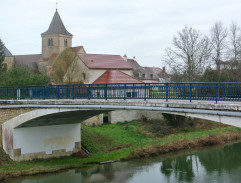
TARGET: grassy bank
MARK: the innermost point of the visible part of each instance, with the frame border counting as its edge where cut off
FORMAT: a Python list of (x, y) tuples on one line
[(124, 141)]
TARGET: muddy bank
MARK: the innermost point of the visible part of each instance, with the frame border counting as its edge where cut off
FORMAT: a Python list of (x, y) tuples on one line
[(210, 140)]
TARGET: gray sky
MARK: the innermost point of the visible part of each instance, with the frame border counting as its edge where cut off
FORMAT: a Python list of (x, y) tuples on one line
[(141, 28)]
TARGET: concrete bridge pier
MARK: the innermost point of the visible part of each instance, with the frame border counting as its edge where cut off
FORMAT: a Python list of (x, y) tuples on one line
[(38, 133), (42, 141)]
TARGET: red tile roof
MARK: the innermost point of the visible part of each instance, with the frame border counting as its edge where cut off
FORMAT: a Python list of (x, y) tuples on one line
[(102, 61), (77, 48), (116, 76)]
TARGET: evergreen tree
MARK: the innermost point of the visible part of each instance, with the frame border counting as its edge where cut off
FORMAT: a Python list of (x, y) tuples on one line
[(3, 66)]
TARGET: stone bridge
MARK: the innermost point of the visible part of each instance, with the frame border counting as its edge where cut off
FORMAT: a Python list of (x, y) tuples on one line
[(51, 128)]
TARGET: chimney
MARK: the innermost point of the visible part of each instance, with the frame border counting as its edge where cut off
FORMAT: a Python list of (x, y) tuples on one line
[(163, 69), (125, 57), (134, 58)]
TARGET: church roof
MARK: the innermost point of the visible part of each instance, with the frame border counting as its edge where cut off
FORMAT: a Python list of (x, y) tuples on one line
[(28, 60), (56, 26), (7, 53), (116, 76), (103, 61)]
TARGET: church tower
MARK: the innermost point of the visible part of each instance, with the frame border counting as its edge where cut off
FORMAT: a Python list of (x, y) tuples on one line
[(56, 38)]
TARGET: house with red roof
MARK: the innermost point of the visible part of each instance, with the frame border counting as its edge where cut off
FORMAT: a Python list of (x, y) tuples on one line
[(116, 76), (89, 67)]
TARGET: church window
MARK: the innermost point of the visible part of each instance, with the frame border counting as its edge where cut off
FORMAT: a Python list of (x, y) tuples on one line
[(65, 42)]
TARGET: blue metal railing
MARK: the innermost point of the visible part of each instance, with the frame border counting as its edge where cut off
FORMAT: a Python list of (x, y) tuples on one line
[(181, 91)]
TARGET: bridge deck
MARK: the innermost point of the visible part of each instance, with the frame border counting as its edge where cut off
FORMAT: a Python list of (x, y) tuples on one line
[(210, 105)]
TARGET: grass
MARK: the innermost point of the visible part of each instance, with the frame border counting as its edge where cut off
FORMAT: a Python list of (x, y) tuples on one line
[(121, 141)]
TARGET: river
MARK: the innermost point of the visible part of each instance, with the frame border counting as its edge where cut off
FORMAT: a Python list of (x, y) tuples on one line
[(218, 164)]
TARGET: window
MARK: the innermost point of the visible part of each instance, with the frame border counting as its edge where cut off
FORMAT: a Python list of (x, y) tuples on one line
[(143, 75), (50, 42), (65, 42), (83, 76), (151, 75)]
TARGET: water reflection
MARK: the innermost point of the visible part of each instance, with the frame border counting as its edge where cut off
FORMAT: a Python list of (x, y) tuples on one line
[(182, 167), (217, 164)]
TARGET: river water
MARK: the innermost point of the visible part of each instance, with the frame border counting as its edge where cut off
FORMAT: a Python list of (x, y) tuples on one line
[(219, 164)]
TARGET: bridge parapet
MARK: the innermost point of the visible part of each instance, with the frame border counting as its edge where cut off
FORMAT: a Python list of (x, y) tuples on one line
[(209, 91), (209, 105)]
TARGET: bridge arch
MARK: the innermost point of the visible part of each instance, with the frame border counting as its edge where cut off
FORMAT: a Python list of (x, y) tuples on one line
[(57, 129), (53, 124)]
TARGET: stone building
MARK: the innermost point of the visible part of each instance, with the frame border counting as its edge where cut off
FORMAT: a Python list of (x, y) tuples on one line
[(147, 74), (82, 68)]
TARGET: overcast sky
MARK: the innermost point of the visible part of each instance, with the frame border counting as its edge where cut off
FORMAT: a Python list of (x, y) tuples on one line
[(140, 28)]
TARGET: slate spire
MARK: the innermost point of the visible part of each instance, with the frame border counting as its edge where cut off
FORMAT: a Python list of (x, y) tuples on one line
[(56, 26)]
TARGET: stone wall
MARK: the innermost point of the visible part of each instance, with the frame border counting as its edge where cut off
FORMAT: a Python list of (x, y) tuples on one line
[(129, 115), (58, 44), (94, 121), (7, 114)]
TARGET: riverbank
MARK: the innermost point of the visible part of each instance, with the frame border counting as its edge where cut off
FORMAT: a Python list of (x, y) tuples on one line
[(130, 140)]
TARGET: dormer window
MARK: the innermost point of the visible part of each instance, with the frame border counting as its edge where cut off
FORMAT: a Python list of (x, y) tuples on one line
[(65, 42), (50, 42)]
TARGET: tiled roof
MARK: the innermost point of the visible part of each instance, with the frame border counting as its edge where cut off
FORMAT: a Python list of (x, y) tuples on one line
[(7, 53), (57, 26), (116, 76), (144, 73), (149, 74), (156, 70), (77, 49), (102, 61), (134, 64), (27, 60)]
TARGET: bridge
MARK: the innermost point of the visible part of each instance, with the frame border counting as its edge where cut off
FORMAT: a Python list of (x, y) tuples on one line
[(42, 122)]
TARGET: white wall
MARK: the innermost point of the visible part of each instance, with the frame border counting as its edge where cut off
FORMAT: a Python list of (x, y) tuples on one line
[(129, 115), (46, 138)]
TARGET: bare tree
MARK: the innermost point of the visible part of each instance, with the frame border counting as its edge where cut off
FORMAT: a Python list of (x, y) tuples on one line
[(234, 50), (218, 43), (62, 65), (189, 54)]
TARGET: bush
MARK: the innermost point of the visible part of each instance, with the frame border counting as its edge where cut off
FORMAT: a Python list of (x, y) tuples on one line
[(20, 76)]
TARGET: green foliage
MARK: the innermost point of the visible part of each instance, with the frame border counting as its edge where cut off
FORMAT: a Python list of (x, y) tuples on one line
[(3, 66), (174, 120), (20, 76)]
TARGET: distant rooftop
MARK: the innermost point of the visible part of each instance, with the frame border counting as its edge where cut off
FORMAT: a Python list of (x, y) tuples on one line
[(116, 76), (57, 26), (28, 60), (7, 53), (103, 61)]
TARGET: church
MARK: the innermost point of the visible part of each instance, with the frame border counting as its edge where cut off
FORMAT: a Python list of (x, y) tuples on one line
[(66, 64)]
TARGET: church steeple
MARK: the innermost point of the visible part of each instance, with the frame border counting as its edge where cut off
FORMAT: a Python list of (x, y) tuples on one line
[(56, 26), (56, 38)]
